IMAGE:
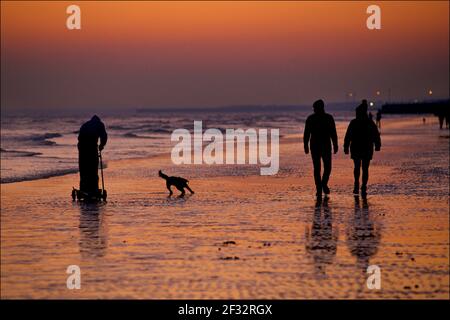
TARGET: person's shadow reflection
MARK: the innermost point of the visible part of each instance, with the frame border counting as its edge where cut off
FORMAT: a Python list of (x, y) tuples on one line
[(363, 235), (93, 235), (321, 239)]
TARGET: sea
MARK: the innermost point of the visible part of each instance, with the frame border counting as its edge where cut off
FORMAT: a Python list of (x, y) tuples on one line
[(36, 146)]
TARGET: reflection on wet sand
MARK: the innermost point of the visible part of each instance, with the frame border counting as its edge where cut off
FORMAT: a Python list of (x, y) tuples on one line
[(321, 240), (93, 236), (363, 234), (158, 248)]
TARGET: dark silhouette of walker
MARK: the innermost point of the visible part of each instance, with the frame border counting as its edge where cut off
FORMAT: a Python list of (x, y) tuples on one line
[(361, 136), (443, 115), (378, 119), (88, 155), (319, 134)]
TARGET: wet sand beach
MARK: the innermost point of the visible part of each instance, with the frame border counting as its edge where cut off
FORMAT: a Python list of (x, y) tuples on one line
[(241, 235)]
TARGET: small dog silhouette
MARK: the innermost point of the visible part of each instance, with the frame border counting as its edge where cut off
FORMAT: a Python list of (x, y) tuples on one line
[(178, 182)]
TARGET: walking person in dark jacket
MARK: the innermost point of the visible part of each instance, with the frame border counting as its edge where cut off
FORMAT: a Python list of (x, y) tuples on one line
[(90, 133), (320, 133), (361, 137)]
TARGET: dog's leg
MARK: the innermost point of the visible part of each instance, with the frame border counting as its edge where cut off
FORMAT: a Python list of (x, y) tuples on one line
[(182, 191), (190, 190), (170, 190)]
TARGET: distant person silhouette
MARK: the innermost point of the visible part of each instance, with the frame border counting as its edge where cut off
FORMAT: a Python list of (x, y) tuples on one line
[(320, 132), (378, 119), (441, 117), (90, 133), (361, 136)]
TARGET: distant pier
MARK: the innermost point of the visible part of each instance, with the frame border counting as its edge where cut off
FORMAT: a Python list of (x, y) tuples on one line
[(430, 107)]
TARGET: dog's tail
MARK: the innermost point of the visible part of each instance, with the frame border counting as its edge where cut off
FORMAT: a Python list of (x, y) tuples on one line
[(162, 175)]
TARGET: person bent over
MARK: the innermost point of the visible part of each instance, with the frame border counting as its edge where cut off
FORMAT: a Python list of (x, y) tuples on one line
[(90, 133)]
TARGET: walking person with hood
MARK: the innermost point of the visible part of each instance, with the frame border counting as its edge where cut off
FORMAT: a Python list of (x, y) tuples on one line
[(360, 139), (319, 135)]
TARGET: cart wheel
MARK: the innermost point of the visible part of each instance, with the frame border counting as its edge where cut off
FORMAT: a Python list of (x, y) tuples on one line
[(104, 195)]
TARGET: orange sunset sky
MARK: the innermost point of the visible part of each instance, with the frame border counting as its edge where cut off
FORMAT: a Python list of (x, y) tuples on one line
[(198, 54)]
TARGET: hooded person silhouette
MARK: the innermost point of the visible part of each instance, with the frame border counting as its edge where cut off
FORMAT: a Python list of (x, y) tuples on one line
[(361, 137), (320, 132), (90, 132)]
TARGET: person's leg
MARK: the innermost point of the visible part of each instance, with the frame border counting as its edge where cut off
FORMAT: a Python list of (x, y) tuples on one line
[(326, 156), (82, 168), (92, 172), (95, 174), (317, 168), (365, 175), (356, 173)]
